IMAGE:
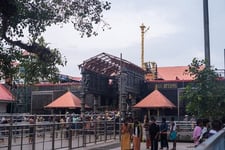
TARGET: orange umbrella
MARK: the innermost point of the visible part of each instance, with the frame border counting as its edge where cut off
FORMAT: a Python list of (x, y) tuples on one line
[(68, 100)]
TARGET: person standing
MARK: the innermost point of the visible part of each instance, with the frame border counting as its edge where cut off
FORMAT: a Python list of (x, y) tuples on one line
[(173, 133), (163, 134), (31, 129), (216, 127), (154, 134), (205, 130), (125, 136), (137, 134), (62, 126), (193, 120), (197, 132), (68, 125), (146, 128)]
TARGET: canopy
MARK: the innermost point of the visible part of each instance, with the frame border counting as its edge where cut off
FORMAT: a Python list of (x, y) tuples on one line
[(68, 100), (155, 100)]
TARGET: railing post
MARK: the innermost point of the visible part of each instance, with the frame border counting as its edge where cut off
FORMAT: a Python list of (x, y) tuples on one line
[(10, 134), (83, 133), (34, 133), (70, 138), (105, 129), (22, 130), (114, 127), (95, 131), (53, 134)]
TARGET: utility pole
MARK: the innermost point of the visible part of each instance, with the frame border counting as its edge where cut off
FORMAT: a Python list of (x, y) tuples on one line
[(143, 31), (122, 90), (224, 63), (206, 32)]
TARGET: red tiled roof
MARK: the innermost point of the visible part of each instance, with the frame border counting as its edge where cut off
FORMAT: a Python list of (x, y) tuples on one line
[(173, 73), (5, 94), (155, 100), (75, 78), (57, 84), (68, 100)]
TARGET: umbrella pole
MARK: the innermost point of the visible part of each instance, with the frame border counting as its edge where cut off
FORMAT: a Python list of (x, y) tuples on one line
[(149, 113)]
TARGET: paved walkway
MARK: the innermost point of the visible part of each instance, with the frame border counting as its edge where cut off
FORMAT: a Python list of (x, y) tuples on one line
[(115, 145)]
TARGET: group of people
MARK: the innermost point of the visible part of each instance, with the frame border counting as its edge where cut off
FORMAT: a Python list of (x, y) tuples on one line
[(205, 129), (132, 132)]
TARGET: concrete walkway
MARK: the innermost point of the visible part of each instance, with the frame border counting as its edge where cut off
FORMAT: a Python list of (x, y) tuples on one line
[(115, 145)]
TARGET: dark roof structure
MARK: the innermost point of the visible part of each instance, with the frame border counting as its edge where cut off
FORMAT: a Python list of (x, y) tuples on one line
[(108, 65)]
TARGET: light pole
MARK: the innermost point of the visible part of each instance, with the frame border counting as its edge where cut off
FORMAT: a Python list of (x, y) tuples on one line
[(206, 32), (143, 31), (224, 62)]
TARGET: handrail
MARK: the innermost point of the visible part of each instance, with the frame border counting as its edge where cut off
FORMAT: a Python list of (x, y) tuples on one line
[(56, 135), (216, 142)]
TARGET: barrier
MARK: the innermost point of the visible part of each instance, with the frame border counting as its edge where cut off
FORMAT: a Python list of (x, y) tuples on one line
[(55, 135), (216, 142), (51, 134)]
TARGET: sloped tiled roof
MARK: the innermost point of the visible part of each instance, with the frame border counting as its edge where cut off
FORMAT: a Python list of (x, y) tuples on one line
[(173, 73), (67, 100), (155, 100), (5, 94)]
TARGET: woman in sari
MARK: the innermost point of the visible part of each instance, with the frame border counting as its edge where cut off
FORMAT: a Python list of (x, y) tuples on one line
[(137, 135), (125, 136)]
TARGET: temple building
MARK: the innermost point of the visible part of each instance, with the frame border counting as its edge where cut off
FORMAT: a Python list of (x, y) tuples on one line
[(107, 83)]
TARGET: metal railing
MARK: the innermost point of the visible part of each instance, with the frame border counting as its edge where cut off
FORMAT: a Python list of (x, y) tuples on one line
[(216, 142), (54, 135)]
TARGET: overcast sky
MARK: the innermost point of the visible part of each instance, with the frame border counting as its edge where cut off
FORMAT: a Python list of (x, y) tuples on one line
[(175, 36)]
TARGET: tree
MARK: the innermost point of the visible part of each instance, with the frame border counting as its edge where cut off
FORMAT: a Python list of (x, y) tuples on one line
[(7, 62), (34, 69), (18, 17), (205, 96)]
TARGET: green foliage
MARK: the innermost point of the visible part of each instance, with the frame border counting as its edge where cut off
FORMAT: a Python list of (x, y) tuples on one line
[(36, 15), (18, 64), (205, 97), (8, 60), (18, 17), (32, 69)]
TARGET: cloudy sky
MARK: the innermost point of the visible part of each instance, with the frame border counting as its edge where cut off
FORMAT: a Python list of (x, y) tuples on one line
[(175, 36)]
